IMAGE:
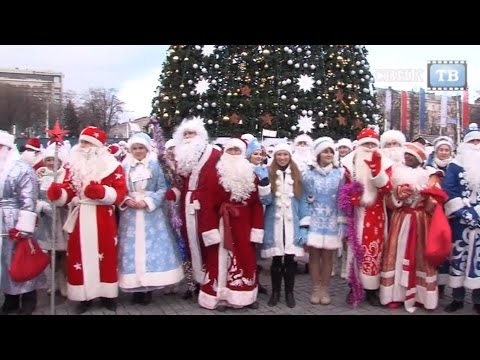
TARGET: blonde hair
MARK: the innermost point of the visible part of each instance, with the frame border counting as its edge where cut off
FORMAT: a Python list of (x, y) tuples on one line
[(296, 177)]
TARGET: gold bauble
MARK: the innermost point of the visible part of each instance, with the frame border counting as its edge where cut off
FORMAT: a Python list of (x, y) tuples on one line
[(225, 118), (165, 115)]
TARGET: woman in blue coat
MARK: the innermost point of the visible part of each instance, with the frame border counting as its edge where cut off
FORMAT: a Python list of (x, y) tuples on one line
[(148, 255), (285, 213)]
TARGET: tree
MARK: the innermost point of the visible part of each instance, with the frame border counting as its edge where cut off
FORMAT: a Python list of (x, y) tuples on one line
[(101, 107), (289, 89), (70, 119)]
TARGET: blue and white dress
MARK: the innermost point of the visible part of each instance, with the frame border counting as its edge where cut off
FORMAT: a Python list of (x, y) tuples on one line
[(148, 254)]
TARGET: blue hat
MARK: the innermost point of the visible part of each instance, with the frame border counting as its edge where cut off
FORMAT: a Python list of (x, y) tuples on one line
[(253, 146), (473, 133)]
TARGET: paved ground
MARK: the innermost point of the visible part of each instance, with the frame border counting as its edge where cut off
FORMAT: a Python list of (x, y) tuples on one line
[(173, 304)]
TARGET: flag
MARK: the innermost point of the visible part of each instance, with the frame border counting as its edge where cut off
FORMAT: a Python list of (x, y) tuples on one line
[(404, 111), (443, 111), (421, 109), (269, 133), (466, 110)]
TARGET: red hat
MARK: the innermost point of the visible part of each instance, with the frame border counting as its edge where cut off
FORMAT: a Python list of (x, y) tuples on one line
[(33, 144), (115, 150), (416, 149), (93, 135), (368, 135)]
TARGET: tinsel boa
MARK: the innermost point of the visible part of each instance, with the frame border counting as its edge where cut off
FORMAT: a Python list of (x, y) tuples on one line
[(345, 203), (175, 180)]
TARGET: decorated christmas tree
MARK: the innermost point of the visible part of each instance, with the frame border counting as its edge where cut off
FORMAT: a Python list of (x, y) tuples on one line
[(275, 90)]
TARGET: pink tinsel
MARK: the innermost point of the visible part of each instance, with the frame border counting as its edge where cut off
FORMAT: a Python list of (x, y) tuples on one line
[(347, 192)]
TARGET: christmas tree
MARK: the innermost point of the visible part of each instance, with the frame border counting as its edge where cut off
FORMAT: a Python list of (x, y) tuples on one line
[(322, 90)]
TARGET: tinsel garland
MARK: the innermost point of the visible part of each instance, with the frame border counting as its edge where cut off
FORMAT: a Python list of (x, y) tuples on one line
[(175, 180), (345, 203)]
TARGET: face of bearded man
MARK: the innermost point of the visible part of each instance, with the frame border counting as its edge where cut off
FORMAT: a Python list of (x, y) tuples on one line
[(469, 158), (29, 157), (188, 154), (236, 176), (394, 153), (302, 155), (363, 174), (89, 164)]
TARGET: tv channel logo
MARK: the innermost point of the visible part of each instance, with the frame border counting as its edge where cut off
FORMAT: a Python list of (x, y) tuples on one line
[(447, 75)]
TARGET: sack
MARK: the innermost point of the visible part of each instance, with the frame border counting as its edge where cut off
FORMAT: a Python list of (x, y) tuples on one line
[(28, 261), (439, 238)]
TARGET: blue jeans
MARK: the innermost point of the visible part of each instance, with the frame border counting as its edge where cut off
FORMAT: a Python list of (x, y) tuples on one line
[(459, 295)]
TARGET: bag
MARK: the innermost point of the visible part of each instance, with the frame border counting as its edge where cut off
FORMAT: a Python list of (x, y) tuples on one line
[(439, 238), (28, 261)]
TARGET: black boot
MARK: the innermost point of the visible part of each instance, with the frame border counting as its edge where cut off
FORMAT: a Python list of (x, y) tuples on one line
[(83, 306), (29, 302), (441, 291), (261, 289), (454, 306), (276, 276), (147, 298), (11, 304), (137, 297), (290, 270), (109, 303), (372, 297)]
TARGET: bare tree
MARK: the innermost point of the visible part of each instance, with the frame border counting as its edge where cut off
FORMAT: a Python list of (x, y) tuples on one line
[(101, 107)]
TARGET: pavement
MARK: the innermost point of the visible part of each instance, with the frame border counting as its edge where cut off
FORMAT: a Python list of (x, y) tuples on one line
[(173, 304)]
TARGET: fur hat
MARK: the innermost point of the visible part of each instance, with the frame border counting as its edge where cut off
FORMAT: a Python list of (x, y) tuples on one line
[(416, 149), (170, 143), (236, 142), (345, 142), (442, 140), (282, 147), (473, 133), (247, 137), (323, 143), (33, 144), (94, 136), (115, 150), (367, 135), (7, 139), (191, 124), (305, 138), (392, 135), (140, 138), (253, 146)]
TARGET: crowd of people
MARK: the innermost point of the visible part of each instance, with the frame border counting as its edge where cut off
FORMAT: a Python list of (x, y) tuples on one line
[(136, 217)]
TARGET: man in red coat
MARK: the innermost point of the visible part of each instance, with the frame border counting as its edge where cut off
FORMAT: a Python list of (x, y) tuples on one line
[(367, 166), (196, 158), (231, 222), (94, 183)]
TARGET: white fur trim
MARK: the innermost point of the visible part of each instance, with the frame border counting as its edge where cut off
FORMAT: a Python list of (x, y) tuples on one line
[(106, 290), (380, 180), (177, 194), (341, 219), (303, 137), (305, 221), (26, 221), (62, 200), (392, 135), (322, 145), (453, 205), (140, 140), (283, 147), (264, 190), (110, 196), (256, 235), (211, 237), (367, 140), (150, 204), (192, 124), (370, 282), (170, 143), (443, 142), (122, 205), (157, 279), (345, 142), (327, 242), (234, 142), (91, 140)]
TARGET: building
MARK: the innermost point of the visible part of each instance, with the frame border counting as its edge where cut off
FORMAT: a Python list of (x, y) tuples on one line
[(126, 129), (45, 85)]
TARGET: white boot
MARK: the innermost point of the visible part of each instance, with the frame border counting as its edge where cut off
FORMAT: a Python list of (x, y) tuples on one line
[(316, 296)]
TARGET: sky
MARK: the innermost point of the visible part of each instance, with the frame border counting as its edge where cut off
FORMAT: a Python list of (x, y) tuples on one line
[(134, 69)]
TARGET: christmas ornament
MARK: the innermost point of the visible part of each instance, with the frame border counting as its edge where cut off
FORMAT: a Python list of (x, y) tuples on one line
[(208, 50), (202, 86), (305, 124), (305, 83)]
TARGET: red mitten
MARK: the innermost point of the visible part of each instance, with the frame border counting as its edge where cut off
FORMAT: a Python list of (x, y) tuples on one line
[(170, 195), (54, 192), (375, 164), (94, 191), (15, 235)]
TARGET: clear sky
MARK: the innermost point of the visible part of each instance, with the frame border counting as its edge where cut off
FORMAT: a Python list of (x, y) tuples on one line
[(134, 69)]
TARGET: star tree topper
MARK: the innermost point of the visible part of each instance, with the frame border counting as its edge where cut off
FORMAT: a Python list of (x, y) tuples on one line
[(305, 124), (208, 50), (57, 133)]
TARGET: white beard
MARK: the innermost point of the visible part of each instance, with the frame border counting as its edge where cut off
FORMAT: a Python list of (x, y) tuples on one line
[(188, 153), (89, 165), (363, 175), (236, 176), (29, 157), (396, 154), (303, 156), (403, 174), (4, 153), (469, 158)]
